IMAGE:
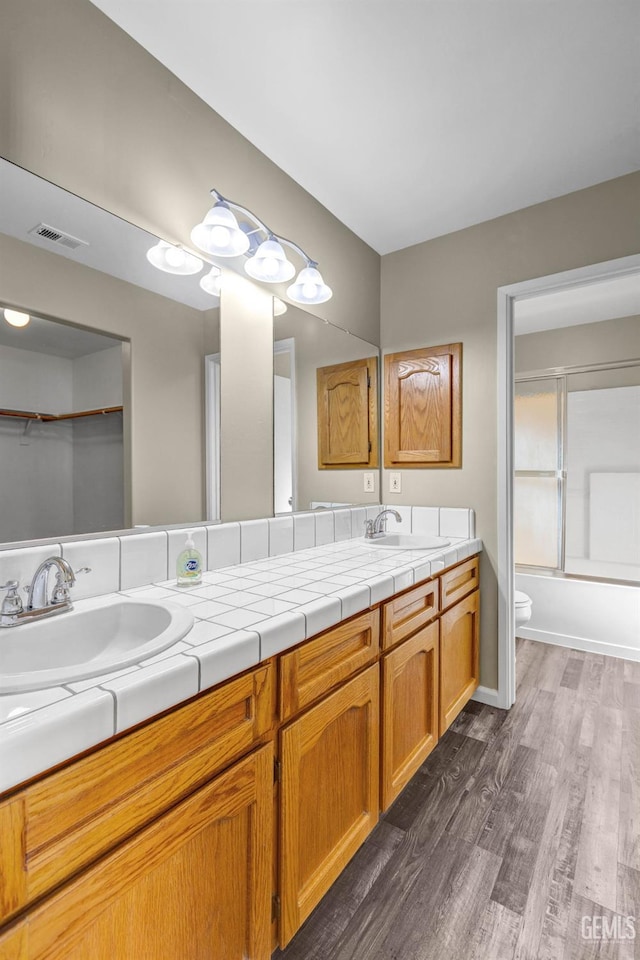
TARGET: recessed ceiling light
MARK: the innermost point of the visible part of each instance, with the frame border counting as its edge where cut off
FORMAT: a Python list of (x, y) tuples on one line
[(16, 318)]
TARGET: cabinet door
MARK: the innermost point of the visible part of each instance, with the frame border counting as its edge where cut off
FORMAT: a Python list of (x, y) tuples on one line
[(422, 407), (196, 884), (409, 709), (329, 793), (459, 656), (348, 414)]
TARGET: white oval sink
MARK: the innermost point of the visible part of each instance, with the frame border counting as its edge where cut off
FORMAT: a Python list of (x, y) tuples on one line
[(408, 541), (105, 636)]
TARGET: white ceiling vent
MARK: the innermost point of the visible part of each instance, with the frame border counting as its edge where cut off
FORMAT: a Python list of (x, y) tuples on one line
[(58, 236)]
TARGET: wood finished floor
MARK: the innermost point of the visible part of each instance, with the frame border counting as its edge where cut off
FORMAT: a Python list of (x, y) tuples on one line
[(517, 826)]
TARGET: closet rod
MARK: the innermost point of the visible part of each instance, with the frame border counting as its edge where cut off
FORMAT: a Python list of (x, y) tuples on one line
[(48, 417)]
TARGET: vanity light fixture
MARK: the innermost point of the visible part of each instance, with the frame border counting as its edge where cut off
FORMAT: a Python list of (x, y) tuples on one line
[(211, 282), (219, 232), (172, 259), (269, 263), (16, 317), (223, 235), (279, 307), (309, 286)]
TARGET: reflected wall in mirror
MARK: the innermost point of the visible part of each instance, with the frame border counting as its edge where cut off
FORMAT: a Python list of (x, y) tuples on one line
[(95, 277), (61, 438), (302, 346), (64, 259)]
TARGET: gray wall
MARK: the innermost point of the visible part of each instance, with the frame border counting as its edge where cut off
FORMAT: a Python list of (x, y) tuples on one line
[(445, 290), (164, 411), (609, 340), (86, 107)]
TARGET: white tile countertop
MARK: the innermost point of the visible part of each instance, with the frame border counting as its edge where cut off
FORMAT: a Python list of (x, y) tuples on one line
[(243, 614)]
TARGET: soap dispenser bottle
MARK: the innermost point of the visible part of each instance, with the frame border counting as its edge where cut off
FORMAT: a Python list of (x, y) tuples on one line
[(189, 565)]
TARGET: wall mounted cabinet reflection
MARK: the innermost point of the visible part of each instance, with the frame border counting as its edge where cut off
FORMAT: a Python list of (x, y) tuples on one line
[(423, 407), (348, 415)]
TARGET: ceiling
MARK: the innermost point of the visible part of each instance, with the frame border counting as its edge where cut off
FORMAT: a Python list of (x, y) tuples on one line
[(409, 119), (53, 338)]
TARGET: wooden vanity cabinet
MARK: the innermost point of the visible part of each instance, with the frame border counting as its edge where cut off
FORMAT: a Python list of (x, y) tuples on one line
[(410, 714), (459, 657), (194, 884), (329, 798), (154, 845)]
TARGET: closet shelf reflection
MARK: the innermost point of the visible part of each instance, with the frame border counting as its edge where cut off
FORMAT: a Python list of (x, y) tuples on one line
[(48, 417)]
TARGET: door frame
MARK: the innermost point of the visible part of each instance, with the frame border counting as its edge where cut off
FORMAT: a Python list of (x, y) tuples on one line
[(288, 345), (212, 371), (507, 296)]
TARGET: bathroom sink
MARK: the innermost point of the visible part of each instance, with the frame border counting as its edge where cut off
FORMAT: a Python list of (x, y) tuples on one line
[(408, 541), (97, 637)]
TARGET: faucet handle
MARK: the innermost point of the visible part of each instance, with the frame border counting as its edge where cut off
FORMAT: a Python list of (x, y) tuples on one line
[(83, 570), (12, 603)]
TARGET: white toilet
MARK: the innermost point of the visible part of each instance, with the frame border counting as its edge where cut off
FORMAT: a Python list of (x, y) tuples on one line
[(523, 608)]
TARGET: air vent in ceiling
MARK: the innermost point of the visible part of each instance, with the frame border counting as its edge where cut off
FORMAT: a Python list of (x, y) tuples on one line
[(58, 236)]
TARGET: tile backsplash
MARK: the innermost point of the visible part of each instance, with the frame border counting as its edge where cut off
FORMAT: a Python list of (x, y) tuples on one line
[(136, 560)]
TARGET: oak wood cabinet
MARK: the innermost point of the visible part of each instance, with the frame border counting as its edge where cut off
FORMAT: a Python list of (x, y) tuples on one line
[(409, 709), (423, 407), (175, 839), (348, 414), (459, 657), (194, 884), (65, 821), (329, 799), (409, 611)]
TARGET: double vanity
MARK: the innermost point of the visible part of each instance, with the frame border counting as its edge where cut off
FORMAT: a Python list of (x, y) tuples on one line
[(209, 793)]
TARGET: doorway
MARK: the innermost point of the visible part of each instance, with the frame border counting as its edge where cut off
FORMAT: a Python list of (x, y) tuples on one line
[(507, 298)]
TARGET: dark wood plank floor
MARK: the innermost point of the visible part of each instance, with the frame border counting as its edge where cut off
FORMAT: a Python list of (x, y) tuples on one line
[(516, 827)]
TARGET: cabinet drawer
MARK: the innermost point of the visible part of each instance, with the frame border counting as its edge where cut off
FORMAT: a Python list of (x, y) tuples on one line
[(460, 581), (65, 821), (320, 664), (409, 612)]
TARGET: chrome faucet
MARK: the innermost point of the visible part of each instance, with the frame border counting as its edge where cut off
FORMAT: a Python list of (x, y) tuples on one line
[(65, 579), (378, 527), (39, 603)]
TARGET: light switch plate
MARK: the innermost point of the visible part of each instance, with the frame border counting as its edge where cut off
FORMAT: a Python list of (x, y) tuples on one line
[(395, 483), (369, 483)]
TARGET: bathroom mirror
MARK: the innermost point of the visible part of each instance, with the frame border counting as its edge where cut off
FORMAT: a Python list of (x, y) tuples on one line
[(65, 259)]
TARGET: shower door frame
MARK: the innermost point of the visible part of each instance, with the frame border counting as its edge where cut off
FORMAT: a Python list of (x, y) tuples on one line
[(507, 296)]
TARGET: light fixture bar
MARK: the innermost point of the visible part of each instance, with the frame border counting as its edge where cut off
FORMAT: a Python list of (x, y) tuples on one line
[(268, 263)]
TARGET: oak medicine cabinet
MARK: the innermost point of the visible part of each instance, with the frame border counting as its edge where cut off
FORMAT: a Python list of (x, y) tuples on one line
[(348, 415), (422, 407)]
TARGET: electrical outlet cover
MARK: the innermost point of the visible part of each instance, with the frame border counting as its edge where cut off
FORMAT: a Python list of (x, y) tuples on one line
[(395, 483), (369, 483)]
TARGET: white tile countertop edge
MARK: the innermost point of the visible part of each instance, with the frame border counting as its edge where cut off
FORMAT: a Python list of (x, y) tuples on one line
[(243, 614)]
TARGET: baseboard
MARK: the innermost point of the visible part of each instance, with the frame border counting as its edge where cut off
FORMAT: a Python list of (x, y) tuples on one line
[(580, 643), (487, 695)]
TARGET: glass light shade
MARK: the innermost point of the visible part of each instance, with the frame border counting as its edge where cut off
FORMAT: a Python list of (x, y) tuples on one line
[(220, 234), (269, 263), (279, 307), (16, 318), (165, 256), (309, 287), (212, 281)]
